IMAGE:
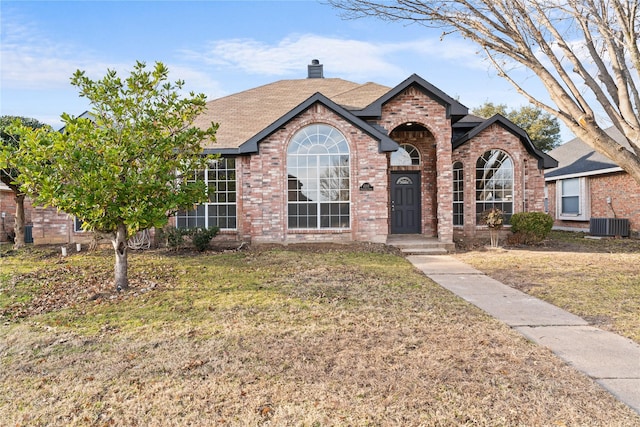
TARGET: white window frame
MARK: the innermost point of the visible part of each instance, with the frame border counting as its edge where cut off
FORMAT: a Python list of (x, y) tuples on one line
[(501, 171), (77, 225), (318, 145), (219, 199), (458, 191), (584, 202)]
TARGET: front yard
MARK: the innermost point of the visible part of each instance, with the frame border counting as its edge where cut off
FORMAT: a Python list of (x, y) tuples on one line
[(596, 279), (269, 337)]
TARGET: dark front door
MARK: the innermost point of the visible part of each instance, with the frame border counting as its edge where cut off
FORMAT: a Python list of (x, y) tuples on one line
[(405, 203)]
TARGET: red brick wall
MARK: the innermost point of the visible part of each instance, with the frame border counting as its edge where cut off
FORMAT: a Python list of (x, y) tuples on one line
[(623, 190), (8, 206), (528, 191), (53, 227), (424, 141), (412, 105), (264, 186)]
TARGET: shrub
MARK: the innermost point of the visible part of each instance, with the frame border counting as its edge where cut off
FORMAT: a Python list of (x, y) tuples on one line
[(174, 236), (531, 227), (201, 237)]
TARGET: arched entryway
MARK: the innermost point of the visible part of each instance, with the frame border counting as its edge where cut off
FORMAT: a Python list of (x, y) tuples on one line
[(413, 184)]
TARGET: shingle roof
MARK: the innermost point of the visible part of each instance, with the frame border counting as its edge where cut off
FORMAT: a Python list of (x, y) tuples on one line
[(545, 161), (575, 157), (243, 115)]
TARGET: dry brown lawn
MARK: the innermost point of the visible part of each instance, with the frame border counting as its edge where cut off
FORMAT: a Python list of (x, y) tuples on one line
[(596, 279), (296, 337)]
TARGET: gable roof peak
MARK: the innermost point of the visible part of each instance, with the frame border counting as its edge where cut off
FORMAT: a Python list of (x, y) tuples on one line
[(455, 110), (545, 161)]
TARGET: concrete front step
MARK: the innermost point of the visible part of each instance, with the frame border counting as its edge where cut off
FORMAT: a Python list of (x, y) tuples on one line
[(411, 244), (424, 251)]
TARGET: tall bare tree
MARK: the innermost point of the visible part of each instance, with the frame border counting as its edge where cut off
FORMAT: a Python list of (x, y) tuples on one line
[(584, 52)]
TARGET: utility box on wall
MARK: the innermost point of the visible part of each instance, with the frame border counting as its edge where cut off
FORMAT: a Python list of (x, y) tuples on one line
[(609, 227)]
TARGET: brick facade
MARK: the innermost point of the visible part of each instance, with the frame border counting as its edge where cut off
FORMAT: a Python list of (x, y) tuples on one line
[(8, 209), (415, 106), (51, 226), (263, 189), (414, 113), (528, 185), (623, 191)]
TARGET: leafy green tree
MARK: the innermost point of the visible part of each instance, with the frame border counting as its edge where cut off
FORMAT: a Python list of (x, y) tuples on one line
[(543, 128), (9, 144), (129, 166)]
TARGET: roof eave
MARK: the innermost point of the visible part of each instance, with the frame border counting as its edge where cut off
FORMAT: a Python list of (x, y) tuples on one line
[(582, 174), (454, 109), (545, 161), (386, 144)]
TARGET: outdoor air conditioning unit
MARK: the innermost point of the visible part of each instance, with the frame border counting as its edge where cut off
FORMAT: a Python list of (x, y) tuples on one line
[(609, 227)]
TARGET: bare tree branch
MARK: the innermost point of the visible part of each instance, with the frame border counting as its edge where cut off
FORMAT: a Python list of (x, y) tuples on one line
[(585, 53)]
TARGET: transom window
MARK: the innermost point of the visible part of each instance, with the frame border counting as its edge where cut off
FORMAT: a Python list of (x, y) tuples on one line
[(220, 211), (318, 179), (406, 155), (494, 183), (458, 194)]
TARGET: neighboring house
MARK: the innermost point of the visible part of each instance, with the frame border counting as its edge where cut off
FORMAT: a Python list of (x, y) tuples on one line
[(7, 213), (329, 160), (587, 188)]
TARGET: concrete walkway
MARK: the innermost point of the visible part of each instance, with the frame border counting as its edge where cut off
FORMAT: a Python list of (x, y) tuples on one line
[(611, 360)]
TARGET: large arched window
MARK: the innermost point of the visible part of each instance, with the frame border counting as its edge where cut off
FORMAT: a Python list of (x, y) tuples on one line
[(318, 179), (494, 183), (458, 194)]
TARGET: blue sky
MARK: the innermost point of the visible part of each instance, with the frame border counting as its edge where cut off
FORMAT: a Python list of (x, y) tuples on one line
[(221, 47)]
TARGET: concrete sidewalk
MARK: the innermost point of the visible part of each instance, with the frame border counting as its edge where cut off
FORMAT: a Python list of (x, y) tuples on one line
[(611, 360)]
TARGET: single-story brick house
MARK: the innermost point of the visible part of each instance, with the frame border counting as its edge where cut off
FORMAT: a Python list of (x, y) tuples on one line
[(587, 190), (325, 159), (330, 160)]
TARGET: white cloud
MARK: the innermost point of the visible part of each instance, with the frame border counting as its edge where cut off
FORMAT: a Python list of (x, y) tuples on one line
[(349, 58), (32, 61)]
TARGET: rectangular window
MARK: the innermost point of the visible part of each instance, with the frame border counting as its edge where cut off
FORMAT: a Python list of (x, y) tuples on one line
[(221, 210), (572, 200), (458, 194), (77, 225)]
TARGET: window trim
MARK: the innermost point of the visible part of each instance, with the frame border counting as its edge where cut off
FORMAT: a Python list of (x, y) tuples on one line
[(412, 152), (300, 141), (77, 225), (207, 205), (455, 172), (500, 203), (584, 202)]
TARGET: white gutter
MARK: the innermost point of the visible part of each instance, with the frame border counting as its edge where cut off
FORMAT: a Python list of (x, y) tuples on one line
[(581, 174)]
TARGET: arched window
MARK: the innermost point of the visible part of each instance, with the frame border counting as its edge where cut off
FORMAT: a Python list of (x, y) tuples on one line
[(318, 179), (406, 155), (494, 183), (458, 194)]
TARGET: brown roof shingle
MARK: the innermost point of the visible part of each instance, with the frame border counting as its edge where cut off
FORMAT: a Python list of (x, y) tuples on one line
[(244, 114)]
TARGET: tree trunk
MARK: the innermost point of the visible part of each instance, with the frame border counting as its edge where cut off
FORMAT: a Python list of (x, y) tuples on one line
[(19, 223), (120, 247)]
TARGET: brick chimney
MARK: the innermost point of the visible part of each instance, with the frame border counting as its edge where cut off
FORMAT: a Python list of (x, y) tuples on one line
[(315, 70)]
